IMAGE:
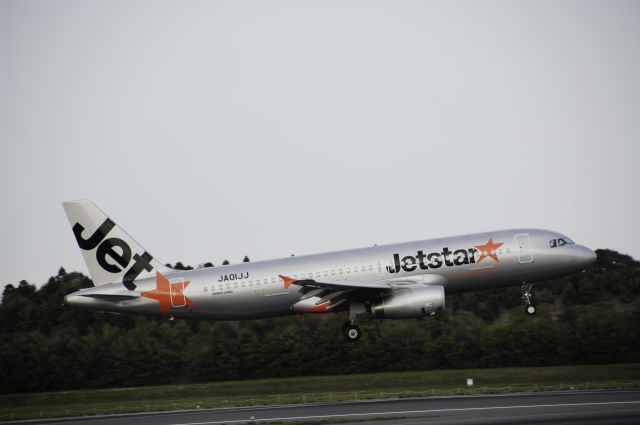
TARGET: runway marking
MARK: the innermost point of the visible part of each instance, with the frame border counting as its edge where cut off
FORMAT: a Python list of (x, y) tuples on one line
[(116, 416), (411, 411), (443, 421)]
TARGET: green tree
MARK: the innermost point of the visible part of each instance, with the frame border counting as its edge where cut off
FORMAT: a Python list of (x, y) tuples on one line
[(591, 317)]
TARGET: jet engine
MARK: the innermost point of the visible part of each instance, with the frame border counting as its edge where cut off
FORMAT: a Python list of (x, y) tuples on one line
[(409, 303)]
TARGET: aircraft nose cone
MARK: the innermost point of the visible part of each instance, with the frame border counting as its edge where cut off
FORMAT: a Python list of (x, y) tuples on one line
[(584, 256)]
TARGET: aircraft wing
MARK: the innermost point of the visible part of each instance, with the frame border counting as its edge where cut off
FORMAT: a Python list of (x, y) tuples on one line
[(394, 283), (312, 283), (320, 296)]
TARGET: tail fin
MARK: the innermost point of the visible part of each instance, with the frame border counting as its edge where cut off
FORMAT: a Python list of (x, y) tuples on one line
[(109, 252)]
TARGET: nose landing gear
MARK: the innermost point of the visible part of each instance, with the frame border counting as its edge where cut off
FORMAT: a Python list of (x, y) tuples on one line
[(529, 308)]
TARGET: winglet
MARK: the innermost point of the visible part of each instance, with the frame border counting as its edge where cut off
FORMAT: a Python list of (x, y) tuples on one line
[(287, 281)]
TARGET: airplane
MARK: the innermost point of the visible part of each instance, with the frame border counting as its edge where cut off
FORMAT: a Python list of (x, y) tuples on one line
[(399, 281)]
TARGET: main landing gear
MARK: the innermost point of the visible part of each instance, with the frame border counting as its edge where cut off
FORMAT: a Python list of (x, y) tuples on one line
[(529, 308), (351, 331)]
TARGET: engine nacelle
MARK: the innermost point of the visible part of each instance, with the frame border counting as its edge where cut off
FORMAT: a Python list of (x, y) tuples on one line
[(410, 303)]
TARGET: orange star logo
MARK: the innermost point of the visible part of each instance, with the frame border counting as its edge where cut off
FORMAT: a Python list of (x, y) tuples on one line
[(489, 249), (169, 294)]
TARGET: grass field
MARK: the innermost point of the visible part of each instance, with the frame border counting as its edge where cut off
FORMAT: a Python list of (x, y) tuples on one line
[(315, 389)]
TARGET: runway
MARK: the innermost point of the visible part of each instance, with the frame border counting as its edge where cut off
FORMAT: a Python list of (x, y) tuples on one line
[(579, 407)]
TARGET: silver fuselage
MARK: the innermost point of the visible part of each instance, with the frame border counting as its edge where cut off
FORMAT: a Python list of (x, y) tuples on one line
[(255, 290)]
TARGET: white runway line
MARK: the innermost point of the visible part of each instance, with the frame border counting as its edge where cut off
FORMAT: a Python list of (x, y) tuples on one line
[(414, 411)]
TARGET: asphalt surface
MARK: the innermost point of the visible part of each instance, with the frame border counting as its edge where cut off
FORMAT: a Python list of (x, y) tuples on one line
[(580, 407)]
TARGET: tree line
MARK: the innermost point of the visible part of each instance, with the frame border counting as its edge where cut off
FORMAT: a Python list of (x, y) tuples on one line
[(588, 318)]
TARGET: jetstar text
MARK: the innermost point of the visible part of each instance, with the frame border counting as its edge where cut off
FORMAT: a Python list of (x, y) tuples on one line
[(432, 260)]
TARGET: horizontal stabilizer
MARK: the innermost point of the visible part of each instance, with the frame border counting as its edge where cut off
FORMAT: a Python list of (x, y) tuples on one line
[(110, 297)]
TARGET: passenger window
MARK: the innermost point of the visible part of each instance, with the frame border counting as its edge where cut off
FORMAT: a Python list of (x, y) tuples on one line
[(205, 289), (348, 270), (363, 268), (370, 267)]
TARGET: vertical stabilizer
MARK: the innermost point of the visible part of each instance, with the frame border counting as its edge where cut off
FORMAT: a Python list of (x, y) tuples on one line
[(109, 252)]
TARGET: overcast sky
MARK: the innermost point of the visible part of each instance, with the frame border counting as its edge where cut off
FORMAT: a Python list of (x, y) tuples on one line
[(211, 130)]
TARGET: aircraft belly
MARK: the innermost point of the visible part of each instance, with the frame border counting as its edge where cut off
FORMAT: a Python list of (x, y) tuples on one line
[(243, 305), (505, 275)]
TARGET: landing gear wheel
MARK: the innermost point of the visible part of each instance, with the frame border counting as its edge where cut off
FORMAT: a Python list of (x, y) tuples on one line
[(529, 308), (351, 332)]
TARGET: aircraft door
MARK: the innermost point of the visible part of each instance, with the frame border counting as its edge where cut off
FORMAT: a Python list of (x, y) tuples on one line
[(525, 255), (176, 293)]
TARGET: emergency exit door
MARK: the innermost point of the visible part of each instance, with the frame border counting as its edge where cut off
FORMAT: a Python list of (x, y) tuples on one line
[(525, 255), (176, 293)]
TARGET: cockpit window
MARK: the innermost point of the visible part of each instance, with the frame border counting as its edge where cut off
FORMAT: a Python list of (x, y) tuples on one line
[(565, 241), (560, 242)]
